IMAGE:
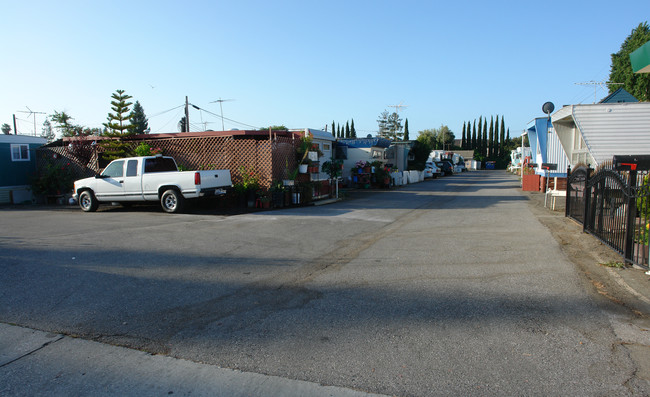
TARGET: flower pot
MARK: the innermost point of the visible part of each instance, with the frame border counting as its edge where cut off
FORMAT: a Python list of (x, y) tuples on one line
[(302, 168), (367, 170)]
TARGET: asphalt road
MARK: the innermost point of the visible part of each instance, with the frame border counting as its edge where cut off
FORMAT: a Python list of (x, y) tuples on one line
[(447, 287)]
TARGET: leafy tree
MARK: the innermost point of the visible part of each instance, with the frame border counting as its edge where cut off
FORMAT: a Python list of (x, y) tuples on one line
[(139, 119), (621, 69), (353, 132), (421, 152), (119, 123), (427, 137), (47, 132), (406, 129), (6, 129)]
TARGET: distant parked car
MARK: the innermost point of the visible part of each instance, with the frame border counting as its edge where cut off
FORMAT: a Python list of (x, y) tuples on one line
[(446, 167), (460, 167), (431, 170)]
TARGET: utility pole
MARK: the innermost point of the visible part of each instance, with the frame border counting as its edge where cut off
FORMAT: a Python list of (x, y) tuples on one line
[(15, 130), (187, 115), (597, 84), (30, 113)]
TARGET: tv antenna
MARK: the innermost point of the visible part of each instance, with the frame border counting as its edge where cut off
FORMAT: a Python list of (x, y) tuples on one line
[(30, 113), (398, 107), (597, 84), (221, 101)]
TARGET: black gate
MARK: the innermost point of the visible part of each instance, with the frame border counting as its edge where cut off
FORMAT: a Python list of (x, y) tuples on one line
[(614, 206)]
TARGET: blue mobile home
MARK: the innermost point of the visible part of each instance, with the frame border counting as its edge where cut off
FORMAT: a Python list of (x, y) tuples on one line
[(546, 147), (17, 166)]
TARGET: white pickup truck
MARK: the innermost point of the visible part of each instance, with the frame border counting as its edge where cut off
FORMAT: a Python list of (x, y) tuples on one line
[(152, 178)]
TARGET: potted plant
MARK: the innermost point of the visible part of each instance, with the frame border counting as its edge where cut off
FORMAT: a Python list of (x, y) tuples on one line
[(265, 198), (303, 152), (277, 194), (247, 187)]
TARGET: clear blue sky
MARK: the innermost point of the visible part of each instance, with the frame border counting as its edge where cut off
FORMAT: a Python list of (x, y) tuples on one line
[(305, 64)]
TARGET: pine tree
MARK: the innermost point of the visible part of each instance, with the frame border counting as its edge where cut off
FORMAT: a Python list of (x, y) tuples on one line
[(338, 131), (462, 141), (406, 129), (139, 119), (47, 131), (347, 129), (353, 132), (334, 130), (119, 123)]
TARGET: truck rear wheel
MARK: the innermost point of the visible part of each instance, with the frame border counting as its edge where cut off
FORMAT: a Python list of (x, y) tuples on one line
[(87, 201), (172, 201)]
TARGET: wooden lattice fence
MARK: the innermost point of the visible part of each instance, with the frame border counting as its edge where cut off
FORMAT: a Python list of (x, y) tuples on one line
[(271, 159)]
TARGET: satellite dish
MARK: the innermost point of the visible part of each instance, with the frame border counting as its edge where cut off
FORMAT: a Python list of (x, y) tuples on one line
[(548, 108)]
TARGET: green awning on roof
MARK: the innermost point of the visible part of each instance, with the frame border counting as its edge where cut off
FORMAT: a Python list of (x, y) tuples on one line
[(640, 59)]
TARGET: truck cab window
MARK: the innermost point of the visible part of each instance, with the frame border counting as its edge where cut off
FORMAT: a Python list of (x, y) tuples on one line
[(159, 164), (114, 169), (132, 168)]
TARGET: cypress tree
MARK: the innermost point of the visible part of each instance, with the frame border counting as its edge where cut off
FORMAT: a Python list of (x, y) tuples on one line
[(462, 141), (353, 132), (347, 129), (338, 131), (406, 130), (474, 136), (485, 138), (502, 147), (334, 130), (479, 136), (491, 138)]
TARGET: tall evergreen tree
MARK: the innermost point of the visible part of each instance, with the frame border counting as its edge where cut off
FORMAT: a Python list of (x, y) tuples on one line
[(347, 129), (406, 129), (353, 132), (485, 138), (502, 147), (139, 119), (473, 136), (334, 130), (462, 140), (338, 131), (479, 136), (119, 123), (46, 132), (491, 138)]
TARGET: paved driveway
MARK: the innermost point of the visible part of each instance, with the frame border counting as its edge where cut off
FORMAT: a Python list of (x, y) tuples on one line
[(449, 286)]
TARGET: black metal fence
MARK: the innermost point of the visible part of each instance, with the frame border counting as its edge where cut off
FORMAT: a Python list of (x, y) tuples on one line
[(614, 206)]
